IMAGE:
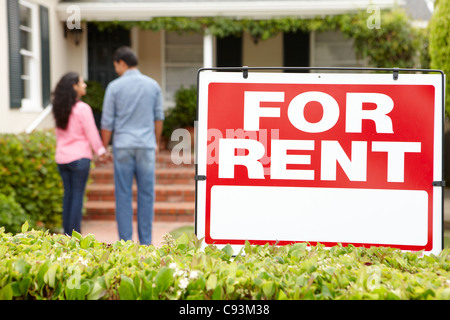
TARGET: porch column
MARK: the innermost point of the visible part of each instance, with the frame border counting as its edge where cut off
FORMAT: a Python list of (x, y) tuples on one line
[(208, 50)]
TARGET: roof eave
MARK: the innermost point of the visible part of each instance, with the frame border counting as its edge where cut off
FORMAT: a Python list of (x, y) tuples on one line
[(141, 11)]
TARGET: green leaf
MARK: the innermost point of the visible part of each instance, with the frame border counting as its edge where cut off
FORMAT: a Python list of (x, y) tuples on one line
[(3, 250), (22, 266), (282, 295), (217, 294), (212, 282), (24, 285), (86, 242), (74, 280), (77, 235), (83, 290), (104, 257), (147, 290), (42, 272), (183, 239), (228, 251), (15, 286), (25, 227), (6, 293), (268, 289), (127, 290), (248, 247), (50, 276), (164, 278)]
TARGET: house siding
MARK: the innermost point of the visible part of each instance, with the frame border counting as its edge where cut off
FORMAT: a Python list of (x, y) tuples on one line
[(16, 120)]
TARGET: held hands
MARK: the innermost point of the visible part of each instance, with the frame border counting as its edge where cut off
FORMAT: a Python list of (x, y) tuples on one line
[(104, 158)]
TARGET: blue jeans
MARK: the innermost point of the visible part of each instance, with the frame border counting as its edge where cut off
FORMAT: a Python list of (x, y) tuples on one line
[(138, 163), (74, 176)]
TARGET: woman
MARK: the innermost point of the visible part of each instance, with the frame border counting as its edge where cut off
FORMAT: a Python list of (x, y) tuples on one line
[(76, 137)]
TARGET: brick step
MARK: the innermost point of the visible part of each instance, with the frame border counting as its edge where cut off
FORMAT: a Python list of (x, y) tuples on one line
[(105, 175), (174, 191), (166, 160), (166, 192), (164, 211)]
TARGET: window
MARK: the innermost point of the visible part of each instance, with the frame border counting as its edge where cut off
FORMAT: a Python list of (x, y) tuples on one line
[(183, 57), (29, 51), (29, 60)]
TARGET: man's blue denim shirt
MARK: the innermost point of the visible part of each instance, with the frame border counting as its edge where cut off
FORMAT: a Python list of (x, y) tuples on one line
[(132, 104)]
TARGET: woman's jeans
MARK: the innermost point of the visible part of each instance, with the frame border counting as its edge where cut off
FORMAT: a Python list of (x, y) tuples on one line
[(74, 176), (138, 163)]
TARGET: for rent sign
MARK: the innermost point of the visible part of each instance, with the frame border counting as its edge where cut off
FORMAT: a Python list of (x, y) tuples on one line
[(320, 158)]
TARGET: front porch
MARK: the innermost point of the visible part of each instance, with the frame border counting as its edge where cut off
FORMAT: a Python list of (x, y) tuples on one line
[(175, 38), (173, 59)]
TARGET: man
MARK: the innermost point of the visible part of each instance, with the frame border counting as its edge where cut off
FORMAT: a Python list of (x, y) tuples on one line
[(133, 116)]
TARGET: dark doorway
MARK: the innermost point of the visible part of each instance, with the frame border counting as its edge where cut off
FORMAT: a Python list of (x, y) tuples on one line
[(229, 51), (101, 47), (296, 50)]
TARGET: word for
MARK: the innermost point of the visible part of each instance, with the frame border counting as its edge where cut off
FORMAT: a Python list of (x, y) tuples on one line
[(355, 113)]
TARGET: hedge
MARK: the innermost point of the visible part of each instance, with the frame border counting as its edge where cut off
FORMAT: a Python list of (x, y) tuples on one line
[(37, 265), (29, 181), (439, 47)]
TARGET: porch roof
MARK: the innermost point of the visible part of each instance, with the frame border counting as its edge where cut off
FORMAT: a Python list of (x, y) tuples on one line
[(135, 10)]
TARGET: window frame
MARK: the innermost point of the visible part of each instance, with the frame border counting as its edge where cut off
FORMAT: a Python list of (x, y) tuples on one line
[(32, 102)]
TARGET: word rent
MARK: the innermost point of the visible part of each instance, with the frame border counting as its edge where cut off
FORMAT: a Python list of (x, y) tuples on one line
[(354, 164)]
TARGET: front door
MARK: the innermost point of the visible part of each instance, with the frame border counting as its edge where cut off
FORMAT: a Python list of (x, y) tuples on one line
[(101, 47)]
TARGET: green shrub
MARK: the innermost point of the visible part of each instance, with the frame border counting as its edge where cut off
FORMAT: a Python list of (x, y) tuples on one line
[(94, 95), (38, 265), (396, 43), (439, 47), (29, 174), (12, 215), (184, 113)]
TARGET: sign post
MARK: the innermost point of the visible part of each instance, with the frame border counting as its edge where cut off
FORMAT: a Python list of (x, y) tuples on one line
[(350, 158)]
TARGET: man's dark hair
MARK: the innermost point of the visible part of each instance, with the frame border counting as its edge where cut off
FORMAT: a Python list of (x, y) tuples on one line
[(127, 55)]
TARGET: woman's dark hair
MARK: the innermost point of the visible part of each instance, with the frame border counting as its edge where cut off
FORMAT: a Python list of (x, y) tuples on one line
[(127, 55), (64, 98)]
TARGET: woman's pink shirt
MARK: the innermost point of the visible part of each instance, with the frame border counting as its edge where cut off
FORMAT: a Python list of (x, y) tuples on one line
[(80, 137)]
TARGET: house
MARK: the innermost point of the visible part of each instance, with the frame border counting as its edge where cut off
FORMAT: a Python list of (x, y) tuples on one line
[(43, 39)]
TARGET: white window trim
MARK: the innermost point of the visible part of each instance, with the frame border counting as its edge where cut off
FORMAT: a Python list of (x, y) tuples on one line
[(169, 101), (34, 103)]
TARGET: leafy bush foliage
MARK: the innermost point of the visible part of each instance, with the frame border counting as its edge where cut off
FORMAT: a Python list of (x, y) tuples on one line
[(38, 265), (30, 180), (94, 95), (12, 215), (439, 47), (395, 44), (184, 113)]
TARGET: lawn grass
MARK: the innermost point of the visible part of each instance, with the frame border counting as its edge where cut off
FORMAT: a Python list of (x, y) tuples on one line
[(179, 231)]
